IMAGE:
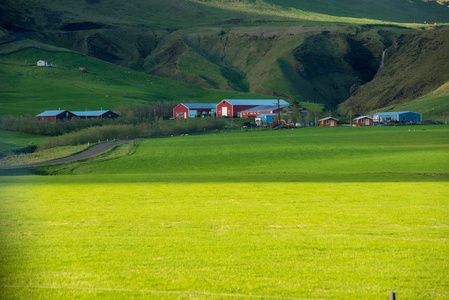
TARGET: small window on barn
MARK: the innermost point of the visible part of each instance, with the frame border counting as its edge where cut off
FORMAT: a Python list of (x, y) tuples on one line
[(229, 112), (327, 121)]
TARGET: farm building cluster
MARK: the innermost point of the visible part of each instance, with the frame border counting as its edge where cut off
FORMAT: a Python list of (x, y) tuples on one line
[(263, 112), (383, 118), (50, 116), (266, 111)]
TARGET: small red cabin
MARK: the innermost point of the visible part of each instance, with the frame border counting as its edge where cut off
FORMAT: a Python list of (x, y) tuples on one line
[(191, 110), (363, 121), (329, 121), (50, 116)]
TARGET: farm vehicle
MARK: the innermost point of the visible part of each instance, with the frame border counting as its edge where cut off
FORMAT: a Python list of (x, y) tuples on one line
[(282, 124)]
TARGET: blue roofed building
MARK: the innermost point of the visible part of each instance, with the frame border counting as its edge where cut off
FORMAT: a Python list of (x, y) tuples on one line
[(397, 117), (97, 114), (265, 119)]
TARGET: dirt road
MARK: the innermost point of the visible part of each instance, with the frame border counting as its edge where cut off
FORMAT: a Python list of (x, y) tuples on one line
[(92, 151)]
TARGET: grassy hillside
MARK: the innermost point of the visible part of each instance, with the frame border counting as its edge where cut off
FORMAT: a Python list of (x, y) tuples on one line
[(312, 51), (333, 213), (46, 14), (415, 65), (364, 12), (434, 106), (27, 89)]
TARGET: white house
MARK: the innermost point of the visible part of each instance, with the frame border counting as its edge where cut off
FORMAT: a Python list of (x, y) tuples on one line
[(43, 63)]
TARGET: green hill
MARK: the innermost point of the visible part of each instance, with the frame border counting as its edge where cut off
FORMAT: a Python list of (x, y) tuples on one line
[(415, 65), (433, 106), (27, 89), (94, 14), (312, 51)]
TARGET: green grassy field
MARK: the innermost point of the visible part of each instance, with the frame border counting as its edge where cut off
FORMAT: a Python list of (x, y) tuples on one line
[(14, 140), (27, 89), (312, 213)]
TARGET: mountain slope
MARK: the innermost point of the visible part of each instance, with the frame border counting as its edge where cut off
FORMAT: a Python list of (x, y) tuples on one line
[(433, 106), (415, 65), (69, 14), (313, 51), (348, 11)]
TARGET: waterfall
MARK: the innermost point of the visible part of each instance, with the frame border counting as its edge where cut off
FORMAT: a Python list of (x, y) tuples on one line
[(382, 60)]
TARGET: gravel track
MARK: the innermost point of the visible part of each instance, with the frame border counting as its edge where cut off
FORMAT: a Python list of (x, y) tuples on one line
[(92, 151)]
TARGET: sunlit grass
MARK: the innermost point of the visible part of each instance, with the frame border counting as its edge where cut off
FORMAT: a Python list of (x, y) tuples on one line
[(305, 154), (316, 213), (308, 240)]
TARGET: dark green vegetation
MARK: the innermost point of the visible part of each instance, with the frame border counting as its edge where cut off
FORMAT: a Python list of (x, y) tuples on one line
[(415, 66), (320, 213), (311, 51)]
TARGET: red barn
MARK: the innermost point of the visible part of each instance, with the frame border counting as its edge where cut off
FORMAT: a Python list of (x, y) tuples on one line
[(50, 116), (191, 110), (329, 121), (233, 107), (363, 121)]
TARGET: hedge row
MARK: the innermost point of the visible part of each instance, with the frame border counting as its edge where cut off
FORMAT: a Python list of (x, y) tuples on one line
[(123, 131)]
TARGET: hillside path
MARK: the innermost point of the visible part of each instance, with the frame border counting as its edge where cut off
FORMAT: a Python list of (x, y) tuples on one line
[(92, 151)]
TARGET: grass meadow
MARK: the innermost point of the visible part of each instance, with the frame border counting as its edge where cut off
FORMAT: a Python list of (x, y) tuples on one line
[(313, 213), (15, 140)]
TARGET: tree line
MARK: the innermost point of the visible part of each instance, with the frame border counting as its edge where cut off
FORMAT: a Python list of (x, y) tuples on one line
[(131, 114)]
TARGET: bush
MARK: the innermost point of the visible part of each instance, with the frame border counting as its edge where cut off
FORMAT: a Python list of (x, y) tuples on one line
[(122, 131)]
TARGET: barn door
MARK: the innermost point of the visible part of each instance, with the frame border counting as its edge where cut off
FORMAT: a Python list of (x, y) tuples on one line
[(224, 111)]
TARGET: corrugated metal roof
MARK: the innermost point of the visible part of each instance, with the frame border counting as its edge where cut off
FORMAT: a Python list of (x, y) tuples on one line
[(393, 113), (50, 113), (93, 113), (327, 118), (256, 101), (266, 107), (200, 105), (361, 117), (266, 115)]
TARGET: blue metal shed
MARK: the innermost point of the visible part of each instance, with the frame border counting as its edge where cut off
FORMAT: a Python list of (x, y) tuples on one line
[(397, 116), (263, 119)]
